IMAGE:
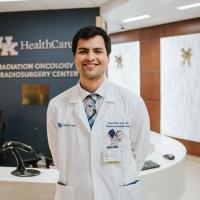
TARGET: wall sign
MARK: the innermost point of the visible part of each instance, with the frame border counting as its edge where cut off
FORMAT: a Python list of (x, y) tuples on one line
[(35, 50), (9, 47)]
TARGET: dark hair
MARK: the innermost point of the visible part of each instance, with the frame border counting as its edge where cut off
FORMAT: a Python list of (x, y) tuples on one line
[(89, 32)]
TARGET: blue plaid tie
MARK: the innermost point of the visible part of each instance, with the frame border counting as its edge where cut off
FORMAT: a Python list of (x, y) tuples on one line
[(90, 108)]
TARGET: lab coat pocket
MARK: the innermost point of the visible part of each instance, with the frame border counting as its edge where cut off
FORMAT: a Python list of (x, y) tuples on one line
[(132, 191), (64, 192)]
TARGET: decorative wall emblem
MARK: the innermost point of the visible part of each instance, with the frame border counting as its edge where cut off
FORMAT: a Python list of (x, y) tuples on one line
[(118, 60), (186, 54)]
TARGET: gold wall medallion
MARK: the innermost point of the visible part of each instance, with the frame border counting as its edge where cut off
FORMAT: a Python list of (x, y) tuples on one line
[(118, 60), (186, 54)]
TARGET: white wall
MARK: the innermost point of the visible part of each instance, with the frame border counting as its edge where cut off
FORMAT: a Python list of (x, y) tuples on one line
[(127, 74), (180, 88)]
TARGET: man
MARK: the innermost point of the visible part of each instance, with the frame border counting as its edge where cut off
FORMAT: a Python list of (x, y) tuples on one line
[(98, 132)]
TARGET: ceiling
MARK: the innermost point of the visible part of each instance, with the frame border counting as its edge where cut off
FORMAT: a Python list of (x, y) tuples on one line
[(113, 11)]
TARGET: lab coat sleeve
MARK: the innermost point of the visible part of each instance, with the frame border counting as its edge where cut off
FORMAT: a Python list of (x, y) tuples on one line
[(140, 134), (52, 132)]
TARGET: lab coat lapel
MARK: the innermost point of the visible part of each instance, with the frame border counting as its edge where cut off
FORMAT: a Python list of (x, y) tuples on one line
[(79, 110), (108, 102), (104, 108)]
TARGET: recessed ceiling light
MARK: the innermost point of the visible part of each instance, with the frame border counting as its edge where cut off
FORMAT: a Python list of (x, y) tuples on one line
[(188, 6), (135, 18), (1, 1)]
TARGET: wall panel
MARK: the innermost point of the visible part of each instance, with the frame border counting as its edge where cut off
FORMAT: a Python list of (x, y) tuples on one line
[(150, 55), (150, 86), (154, 114), (150, 65)]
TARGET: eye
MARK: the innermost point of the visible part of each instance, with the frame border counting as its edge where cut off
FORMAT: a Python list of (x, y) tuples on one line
[(98, 51), (82, 52)]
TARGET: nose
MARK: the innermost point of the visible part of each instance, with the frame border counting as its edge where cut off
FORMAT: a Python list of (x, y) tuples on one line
[(90, 56)]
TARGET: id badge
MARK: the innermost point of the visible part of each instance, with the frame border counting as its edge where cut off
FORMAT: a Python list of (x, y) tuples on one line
[(112, 153)]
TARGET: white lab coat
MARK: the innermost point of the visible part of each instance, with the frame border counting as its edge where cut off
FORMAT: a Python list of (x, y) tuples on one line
[(78, 151)]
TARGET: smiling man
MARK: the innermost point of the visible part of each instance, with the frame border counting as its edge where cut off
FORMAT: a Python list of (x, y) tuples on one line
[(98, 132), (91, 59)]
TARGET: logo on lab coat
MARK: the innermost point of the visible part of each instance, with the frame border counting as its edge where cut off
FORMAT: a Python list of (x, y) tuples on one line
[(60, 125)]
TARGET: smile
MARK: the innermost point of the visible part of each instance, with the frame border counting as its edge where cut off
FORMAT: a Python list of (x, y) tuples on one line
[(90, 65)]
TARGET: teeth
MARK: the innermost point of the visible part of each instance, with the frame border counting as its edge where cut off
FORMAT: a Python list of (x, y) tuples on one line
[(90, 65)]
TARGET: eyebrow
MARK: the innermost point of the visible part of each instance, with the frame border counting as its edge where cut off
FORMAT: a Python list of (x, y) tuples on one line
[(82, 48)]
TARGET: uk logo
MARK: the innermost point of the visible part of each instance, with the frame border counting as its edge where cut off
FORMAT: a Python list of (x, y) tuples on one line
[(7, 46), (59, 125)]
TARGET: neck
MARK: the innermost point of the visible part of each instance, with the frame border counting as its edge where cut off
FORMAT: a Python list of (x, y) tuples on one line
[(91, 85)]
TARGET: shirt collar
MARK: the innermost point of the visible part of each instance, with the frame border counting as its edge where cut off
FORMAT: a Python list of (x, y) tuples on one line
[(100, 91)]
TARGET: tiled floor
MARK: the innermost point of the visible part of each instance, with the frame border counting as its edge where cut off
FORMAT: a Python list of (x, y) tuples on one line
[(192, 190)]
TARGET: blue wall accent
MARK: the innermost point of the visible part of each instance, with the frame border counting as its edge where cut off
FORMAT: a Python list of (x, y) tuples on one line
[(28, 123)]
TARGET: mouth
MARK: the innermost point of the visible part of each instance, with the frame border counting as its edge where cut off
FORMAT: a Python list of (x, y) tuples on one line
[(90, 66)]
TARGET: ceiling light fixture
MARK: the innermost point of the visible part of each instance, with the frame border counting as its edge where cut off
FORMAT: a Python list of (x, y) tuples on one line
[(1, 1), (135, 18), (188, 6)]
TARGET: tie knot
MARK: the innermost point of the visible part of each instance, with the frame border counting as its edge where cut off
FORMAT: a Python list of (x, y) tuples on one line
[(92, 97)]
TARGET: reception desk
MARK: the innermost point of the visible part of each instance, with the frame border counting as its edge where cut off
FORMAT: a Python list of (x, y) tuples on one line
[(163, 183), (168, 181)]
